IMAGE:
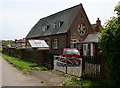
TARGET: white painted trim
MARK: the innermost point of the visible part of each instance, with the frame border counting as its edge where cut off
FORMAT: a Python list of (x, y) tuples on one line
[(91, 49), (85, 49)]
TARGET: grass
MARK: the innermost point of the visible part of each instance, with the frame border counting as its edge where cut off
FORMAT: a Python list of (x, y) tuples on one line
[(22, 65), (84, 82), (88, 82), (72, 81), (0, 51)]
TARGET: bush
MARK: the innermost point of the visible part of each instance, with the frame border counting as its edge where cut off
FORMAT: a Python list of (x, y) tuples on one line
[(110, 46)]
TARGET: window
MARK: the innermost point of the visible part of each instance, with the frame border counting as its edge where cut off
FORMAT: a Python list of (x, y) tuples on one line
[(55, 44), (84, 46), (81, 15), (73, 43), (47, 41), (55, 25), (45, 28), (85, 50), (81, 29), (58, 24), (71, 51)]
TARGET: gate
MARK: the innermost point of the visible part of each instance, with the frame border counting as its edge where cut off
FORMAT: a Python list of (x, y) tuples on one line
[(91, 67), (68, 66)]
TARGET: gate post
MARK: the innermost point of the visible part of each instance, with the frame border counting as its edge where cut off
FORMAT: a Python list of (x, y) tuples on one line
[(66, 65)]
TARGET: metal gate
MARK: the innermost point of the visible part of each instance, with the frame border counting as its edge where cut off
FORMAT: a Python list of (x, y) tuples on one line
[(68, 66)]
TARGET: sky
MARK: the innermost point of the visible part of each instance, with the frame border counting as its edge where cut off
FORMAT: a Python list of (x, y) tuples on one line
[(17, 17)]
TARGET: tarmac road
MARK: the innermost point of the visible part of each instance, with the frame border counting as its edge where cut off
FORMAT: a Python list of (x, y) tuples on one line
[(0, 72), (13, 77)]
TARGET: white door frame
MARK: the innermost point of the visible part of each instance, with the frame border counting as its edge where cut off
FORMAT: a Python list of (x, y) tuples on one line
[(85, 49)]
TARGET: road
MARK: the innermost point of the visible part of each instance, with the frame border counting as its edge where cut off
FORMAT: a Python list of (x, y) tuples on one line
[(13, 77), (0, 72)]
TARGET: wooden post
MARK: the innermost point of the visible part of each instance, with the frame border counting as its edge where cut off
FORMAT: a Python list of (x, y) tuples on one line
[(66, 64)]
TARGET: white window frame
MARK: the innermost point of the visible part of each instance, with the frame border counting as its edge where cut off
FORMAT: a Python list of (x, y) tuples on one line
[(55, 44), (85, 49), (45, 28), (91, 49), (55, 25), (73, 43), (47, 41), (58, 24), (81, 29)]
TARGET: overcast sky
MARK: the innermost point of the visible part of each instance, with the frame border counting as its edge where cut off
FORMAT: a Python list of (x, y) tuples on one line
[(17, 17)]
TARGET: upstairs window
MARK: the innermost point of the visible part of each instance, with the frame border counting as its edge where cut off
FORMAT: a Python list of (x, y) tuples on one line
[(58, 24), (55, 25), (81, 29), (45, 28), (81, 15)]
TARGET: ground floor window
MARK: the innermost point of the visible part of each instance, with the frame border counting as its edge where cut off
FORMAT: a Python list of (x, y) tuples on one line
[(85, 50), (47, 41), (73, 43), (55, 44)]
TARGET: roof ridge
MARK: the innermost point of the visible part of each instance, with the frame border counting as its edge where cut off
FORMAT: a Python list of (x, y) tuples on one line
[(61, 11), (64, 15)]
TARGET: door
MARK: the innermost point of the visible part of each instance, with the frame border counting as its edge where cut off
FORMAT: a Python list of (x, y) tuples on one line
[(85, 50)]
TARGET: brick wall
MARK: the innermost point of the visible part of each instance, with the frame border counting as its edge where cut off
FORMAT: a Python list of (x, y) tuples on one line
[(80, 17), (62, 42)]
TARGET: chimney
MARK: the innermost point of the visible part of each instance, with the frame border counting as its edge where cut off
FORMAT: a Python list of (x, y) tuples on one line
[(97, 25), (98, 22)]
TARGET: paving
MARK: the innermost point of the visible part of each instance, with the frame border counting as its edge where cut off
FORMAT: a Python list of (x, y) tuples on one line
[(51, 77), (13, 77), (0, 72)]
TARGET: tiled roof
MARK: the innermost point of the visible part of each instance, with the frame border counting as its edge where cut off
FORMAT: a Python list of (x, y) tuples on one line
[(92, 37), (65, 16)]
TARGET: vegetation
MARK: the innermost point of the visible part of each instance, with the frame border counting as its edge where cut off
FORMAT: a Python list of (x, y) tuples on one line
[(110, 46), (24, 66), (0, 50), (84, 82), (7, 43), (72, 81), (117, 9)]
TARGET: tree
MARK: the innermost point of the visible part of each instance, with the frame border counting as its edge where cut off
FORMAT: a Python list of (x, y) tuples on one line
[(117, 8), (110, 46)]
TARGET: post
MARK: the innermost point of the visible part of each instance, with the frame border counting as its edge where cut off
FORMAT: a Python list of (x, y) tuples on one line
[(66, 64)]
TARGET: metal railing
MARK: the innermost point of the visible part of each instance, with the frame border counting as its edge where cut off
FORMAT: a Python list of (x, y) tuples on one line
[(68, 65)]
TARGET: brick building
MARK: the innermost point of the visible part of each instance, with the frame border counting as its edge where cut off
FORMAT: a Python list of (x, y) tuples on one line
[(68, 28), (20, 43)]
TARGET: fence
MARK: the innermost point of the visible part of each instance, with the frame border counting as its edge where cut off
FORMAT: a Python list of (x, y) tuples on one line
[(42, 57), (61, 64), (91, 66)]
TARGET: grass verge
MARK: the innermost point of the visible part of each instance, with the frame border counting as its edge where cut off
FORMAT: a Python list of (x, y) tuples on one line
[(22, 65), (83, 82), (72, 81)]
